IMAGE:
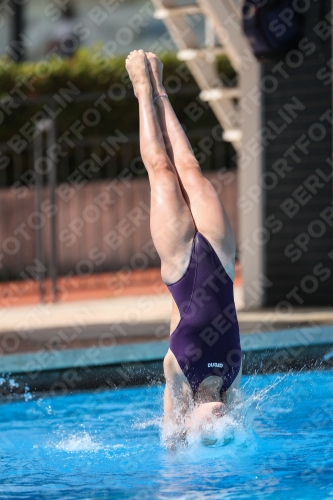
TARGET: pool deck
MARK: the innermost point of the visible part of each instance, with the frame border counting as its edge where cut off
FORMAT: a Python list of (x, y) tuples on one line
[(41, 343)]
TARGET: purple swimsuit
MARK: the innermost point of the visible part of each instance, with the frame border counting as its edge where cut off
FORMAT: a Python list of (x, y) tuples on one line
[(206, 341)]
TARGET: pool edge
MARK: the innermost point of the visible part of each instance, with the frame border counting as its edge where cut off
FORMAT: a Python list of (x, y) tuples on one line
[(141, 363)]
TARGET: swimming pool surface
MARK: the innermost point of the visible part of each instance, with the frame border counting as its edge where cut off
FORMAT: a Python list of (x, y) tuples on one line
[(108, 445)]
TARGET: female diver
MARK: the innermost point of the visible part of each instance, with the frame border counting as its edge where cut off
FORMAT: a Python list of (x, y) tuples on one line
[(193, 237)]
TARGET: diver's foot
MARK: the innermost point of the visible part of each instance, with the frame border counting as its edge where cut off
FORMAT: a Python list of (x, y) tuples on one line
[(137, 68), (155, 68)]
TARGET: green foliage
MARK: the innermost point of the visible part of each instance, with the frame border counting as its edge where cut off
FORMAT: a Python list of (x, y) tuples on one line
[(88, 70), (91, 73)]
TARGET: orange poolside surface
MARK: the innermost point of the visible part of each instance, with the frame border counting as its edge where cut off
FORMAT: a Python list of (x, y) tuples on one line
[(95, 286)]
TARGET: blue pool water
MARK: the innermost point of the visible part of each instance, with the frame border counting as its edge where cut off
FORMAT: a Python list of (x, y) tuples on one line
[(108, 445)]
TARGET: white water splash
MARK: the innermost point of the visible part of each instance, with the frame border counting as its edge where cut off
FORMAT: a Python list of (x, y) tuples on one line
[(217, 434), (13, 384), (27, 394), (81, 441), (235, 428), (153, 422)]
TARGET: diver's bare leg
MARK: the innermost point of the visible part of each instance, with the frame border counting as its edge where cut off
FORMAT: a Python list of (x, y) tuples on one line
[(176, 142), (198, 191), (171, 222)]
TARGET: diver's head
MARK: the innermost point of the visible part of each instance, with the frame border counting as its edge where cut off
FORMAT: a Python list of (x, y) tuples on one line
[(204, 420), (206, 412)]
